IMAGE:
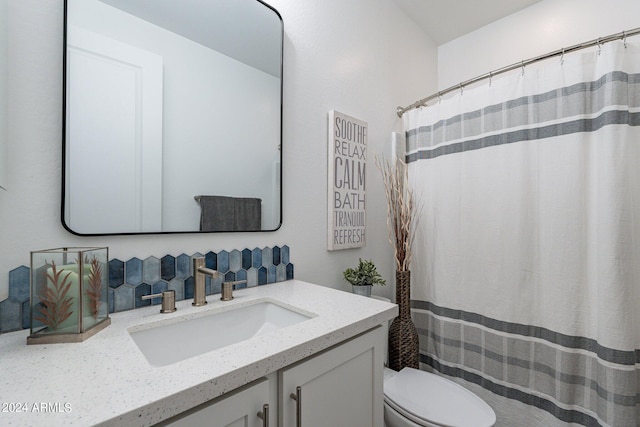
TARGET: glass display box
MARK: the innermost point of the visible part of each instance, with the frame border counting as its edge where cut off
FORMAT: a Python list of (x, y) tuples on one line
[(69, 294)]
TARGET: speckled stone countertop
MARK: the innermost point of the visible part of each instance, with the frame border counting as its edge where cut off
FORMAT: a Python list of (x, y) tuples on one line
[(107, 380)]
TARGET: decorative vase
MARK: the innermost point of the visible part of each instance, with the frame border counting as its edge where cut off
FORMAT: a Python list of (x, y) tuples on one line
[(362, 290), (403, 336)]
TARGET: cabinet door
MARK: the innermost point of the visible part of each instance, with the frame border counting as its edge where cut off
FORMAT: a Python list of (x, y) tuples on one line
[(339, 387), (236, 409)]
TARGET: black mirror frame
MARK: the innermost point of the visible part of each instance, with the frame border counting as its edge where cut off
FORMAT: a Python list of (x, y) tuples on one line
[(64, 144)]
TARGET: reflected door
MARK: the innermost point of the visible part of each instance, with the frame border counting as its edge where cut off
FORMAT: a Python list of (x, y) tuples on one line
[(114, 130)]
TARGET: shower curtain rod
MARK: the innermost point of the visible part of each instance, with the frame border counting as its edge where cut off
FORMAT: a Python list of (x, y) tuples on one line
[(599, 41)]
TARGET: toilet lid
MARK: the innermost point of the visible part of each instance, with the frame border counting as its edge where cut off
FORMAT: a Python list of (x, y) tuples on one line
[(425, 397)]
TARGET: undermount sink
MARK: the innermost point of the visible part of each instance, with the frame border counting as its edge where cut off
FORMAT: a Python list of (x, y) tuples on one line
[(173, 340)]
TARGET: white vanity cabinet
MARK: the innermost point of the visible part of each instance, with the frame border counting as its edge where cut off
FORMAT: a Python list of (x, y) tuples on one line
[(341, 386), (238, 408)]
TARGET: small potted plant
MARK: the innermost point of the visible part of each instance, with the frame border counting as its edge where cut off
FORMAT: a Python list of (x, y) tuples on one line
[(363, 277)]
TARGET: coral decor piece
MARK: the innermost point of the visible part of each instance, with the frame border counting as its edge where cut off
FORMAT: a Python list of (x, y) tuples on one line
[(94, 290), (55, 305)]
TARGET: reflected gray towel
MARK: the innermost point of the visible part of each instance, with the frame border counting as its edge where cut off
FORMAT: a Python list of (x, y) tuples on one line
[(221, 213)]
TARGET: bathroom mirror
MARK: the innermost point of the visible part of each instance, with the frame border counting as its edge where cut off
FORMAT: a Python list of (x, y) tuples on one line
[(173, 116)]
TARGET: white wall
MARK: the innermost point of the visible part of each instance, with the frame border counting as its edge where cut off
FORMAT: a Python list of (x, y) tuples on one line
[(543, 27), (361, 57), (3, 95)]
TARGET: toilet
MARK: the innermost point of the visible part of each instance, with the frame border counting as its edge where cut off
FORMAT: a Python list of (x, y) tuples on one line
[(414, 398)]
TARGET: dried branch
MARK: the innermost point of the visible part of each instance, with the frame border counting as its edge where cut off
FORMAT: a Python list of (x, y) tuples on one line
[(402, 210)]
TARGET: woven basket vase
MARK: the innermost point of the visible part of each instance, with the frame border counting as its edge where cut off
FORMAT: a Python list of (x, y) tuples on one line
[(403, 336)]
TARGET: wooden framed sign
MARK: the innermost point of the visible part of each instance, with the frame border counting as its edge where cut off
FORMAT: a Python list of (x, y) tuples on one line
[(347, 178)]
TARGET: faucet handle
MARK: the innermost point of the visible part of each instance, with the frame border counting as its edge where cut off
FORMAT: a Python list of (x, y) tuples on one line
[(168, 300), (227, 289)]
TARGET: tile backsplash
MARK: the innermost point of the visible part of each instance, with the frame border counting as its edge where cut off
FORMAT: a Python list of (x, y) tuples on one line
[(130, 280)]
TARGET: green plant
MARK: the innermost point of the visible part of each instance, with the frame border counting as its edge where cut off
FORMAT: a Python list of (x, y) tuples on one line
[(364, 274)]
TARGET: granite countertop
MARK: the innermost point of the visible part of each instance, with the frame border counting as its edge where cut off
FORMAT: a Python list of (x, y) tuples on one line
[(107, 380)]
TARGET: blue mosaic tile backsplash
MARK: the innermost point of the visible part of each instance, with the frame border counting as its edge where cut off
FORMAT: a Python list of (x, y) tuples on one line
[(130, 280)]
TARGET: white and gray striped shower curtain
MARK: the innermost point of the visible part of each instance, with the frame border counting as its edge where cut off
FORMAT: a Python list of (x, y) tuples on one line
[(526, 273)]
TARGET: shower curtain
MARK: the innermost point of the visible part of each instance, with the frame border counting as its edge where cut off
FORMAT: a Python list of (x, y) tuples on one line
[(527, 258)]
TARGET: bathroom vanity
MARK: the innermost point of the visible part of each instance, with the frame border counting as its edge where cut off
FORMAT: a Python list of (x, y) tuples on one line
[(325, 365), (335, 387)]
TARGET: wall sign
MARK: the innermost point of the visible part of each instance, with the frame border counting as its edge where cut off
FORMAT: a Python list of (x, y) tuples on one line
[(347, 178)]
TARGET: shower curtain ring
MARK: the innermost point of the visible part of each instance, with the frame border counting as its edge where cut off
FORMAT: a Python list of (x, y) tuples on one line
[(624, 39), (562, 57), (439, 97), (461, 89), (599, 45), (490, 78), (522, 65)]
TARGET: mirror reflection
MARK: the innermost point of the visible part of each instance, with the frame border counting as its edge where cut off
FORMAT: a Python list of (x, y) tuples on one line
[(172, 116)]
